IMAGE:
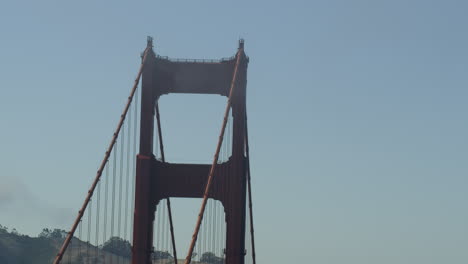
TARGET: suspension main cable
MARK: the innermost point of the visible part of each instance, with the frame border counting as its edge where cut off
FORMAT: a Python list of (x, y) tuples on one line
[(65, 244), (168, 201), (215, 160)]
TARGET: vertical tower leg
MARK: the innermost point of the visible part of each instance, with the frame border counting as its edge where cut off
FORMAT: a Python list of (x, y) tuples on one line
[(235, 236), (144, 213), (236, 201), (144, 208)]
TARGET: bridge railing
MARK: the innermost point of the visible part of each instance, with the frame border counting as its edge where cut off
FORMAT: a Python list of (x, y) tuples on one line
[(196, 60)]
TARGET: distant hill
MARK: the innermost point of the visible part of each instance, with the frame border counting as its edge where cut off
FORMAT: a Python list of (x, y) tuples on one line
[(16, 248)]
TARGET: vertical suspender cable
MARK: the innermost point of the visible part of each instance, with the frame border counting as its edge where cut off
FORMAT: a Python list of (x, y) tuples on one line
[(121, 172), (90, 210), (157, 229), (215, 233), (80, 240), (71, 251), (65, 244), (114, 172), (215, 161), (106, 198), (249, 190), (163, 230), (129, 124), (135, 129), (212, 225), (98, 212), (168, 201)]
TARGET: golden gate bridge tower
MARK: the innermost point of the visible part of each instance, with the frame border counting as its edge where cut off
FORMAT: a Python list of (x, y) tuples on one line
[(129, 199)]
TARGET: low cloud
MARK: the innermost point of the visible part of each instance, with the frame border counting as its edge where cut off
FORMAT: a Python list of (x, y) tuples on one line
[(25, 211)]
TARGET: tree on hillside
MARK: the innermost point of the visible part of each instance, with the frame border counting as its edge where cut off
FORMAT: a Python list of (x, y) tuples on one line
[(56, 234), (3, 229), (20, 248), (161, 255), (211, 258), (118, 246)]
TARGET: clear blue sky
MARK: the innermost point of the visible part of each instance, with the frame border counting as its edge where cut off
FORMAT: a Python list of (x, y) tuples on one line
[(358, 116)]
